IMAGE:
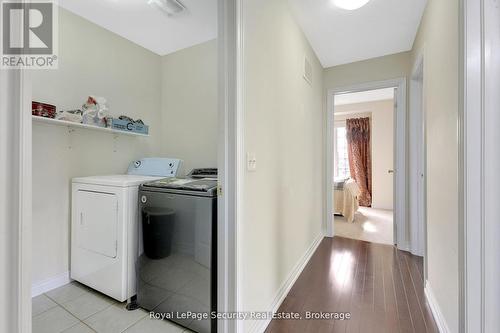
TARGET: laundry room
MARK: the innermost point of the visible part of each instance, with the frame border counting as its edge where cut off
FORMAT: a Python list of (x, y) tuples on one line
[(135, 93)]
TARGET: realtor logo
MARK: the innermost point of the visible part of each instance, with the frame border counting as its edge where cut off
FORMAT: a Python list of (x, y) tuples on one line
[(29, 34)]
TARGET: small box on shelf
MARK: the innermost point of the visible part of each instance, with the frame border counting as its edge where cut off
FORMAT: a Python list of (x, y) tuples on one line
[(129, 126), (43, 110)]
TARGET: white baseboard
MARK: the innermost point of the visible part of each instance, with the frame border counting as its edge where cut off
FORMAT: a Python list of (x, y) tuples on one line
[(43, 286), (283, 291), (436, 310)]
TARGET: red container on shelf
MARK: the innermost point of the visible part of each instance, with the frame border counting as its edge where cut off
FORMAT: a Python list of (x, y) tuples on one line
[(43, 110)]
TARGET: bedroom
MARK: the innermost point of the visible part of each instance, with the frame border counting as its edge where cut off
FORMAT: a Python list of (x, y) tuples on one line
[(363, 168)]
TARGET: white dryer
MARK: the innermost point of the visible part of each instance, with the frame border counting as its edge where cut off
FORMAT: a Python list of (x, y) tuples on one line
[(104, 226)]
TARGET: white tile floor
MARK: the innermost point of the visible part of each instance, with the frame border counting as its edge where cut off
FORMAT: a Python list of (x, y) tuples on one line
[(370, 224), (75, 308)]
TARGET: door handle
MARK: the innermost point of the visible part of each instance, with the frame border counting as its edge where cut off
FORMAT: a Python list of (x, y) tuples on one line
[(390, 171)]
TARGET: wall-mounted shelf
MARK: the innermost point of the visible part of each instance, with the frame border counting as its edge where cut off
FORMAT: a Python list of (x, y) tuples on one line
[(70, 125)]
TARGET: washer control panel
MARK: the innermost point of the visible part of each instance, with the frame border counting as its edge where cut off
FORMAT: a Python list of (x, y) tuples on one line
[(157, 167)]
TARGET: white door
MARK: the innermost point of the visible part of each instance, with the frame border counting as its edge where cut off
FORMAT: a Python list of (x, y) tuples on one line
[(97, 216)]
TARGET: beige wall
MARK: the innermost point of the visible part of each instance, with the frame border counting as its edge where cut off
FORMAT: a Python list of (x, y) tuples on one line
[(438, 38), (382, 140), (189, 104), (376, 69), (283, 125), (92, 61)]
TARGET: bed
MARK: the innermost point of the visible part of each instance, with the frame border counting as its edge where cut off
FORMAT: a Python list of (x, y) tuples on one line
[(345, 198)]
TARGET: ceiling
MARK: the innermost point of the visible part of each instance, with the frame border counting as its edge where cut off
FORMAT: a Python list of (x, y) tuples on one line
[(147, 26), (379, 28), (365, 96)]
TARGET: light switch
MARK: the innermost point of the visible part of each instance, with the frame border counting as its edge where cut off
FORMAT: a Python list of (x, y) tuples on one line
[(251, 162)]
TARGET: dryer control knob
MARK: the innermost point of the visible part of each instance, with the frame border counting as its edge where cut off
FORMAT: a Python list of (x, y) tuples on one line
[(144, 199)]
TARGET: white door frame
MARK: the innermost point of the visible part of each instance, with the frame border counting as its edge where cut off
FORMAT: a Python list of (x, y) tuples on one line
[(417, 152), (229, 158), (400, 214), (480, 161), (16, 161), (16, 314), (15, 101)]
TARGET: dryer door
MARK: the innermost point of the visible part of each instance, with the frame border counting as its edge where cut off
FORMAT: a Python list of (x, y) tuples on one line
[(97, 222)]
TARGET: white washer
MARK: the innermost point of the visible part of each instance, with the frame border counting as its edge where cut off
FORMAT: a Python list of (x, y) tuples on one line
[(104, 227)]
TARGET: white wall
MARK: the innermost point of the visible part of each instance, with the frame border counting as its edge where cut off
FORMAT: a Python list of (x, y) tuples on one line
[(382, 143), (438, 40), (283, 125), (92, 61), (189, 103)]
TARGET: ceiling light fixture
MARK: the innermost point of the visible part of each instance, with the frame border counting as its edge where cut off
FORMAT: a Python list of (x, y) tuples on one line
[(350, 4), (169, 7)]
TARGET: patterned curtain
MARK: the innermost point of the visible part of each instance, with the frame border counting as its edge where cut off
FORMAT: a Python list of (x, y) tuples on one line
[(360, 160)]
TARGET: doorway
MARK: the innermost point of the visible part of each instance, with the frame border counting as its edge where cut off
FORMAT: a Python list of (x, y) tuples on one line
[(20, 137), (71, 272), (397, 90), (363, 165)]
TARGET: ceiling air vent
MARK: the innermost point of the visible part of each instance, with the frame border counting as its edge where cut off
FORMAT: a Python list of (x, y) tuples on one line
[(169, 7), (308, 71)]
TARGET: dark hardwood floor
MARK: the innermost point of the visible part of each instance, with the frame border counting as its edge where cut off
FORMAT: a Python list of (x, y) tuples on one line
[(380, 286)]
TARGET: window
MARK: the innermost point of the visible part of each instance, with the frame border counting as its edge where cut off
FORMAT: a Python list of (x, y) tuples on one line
[(341, 158)]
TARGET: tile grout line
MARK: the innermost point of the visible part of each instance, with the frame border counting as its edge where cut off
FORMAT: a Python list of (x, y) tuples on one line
[(133, 324), (109, 305), (78, 320), (63, 305), (85, 324), (136, 322), (56, 305)]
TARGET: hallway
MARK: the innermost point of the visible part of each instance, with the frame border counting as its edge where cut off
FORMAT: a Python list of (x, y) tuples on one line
[(380, 286)]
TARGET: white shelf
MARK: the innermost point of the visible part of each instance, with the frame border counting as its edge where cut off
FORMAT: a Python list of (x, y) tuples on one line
[(70, 124)]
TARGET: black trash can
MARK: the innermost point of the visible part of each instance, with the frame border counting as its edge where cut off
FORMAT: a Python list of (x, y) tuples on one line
[(157, 229)]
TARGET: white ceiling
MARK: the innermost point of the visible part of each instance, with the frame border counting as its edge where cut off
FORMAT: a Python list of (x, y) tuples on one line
[(379, 28), (365, 96), (148, 27)]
